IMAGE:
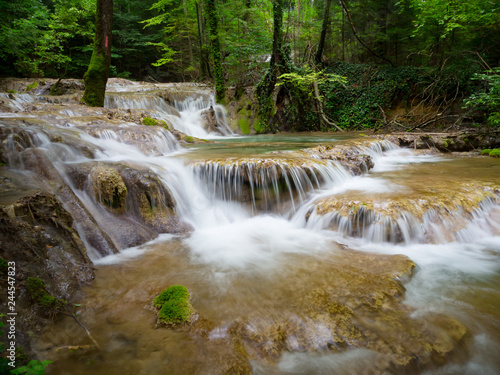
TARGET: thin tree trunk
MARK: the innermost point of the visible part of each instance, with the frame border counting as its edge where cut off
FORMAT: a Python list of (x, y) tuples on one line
[(97, 74), (190, 47), (216, 53), (204, 65), (343, 38), (324, 29)]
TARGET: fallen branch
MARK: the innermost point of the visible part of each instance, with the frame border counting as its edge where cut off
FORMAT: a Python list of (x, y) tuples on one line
[(70, 314)]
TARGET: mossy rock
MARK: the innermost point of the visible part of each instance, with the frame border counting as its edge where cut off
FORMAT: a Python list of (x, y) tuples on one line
[(174, 306), (32, 86), (495, 153), (109, 188), (244, 121), (149, 121), (486, 151)]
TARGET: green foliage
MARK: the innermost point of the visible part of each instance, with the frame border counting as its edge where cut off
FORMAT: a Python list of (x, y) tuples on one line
[(38, 40), (487, 99), (301, 112), (3, 266), (34, 367), (174, 305), (358, 104), (4, 362), (304, 80), (495, 153), (485, 151)]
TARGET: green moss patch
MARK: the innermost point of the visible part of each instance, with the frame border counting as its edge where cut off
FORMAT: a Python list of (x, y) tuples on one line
[(486, 151), (32, 86), (495, 153), (154, 122), (174, 306), (38, 293), (3, 266)]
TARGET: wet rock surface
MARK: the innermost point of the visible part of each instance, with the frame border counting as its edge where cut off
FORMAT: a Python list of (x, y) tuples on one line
[(358, 306), (432, 215), (445, 142), (37, 233)]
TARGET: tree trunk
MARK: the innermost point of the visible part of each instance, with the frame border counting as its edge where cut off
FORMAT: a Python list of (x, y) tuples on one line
[(204, 65), (97, 74), (214, 38), (324, 29), (190, 47), (277, 59)]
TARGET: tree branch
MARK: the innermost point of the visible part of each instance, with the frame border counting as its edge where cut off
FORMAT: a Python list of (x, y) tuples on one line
[(343, 4)]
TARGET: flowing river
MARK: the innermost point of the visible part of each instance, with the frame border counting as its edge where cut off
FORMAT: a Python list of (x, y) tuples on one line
[(297, 262)]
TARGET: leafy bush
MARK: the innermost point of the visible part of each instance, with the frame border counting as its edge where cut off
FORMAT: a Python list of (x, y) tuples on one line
[(369, 89), (486, 151), (34, 367), (487, 99)]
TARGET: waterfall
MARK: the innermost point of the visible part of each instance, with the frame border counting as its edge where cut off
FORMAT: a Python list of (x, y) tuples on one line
[(259, 236)]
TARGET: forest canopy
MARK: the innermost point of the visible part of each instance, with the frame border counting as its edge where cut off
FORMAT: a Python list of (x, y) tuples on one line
[(394, 45)]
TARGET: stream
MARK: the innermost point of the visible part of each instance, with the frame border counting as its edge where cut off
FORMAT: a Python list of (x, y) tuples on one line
[(297, 262)]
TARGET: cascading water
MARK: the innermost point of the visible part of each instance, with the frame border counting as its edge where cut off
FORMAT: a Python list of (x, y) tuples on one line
[(258, 247)]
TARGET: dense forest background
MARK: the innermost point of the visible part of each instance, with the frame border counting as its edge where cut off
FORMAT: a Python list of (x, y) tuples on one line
[(339, 63)]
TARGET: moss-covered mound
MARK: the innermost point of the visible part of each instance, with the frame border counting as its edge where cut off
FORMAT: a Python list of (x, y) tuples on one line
[(495, 153), (154, 122), (174, 306), (109, 188)]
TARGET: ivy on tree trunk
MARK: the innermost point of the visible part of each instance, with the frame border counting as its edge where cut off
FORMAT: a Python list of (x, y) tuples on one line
[(277, 67), (214, 37), (97, 74)]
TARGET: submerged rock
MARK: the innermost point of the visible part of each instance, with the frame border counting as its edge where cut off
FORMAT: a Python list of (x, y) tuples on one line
[(358, 305)]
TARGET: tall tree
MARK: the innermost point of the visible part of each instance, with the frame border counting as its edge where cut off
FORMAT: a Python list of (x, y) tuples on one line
[(216, 51), (204, 61), (324, 29), (97, 74), (277, 64)]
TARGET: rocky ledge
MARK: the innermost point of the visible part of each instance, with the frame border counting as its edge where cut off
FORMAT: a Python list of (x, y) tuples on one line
[(445, 142), (51, 263)]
